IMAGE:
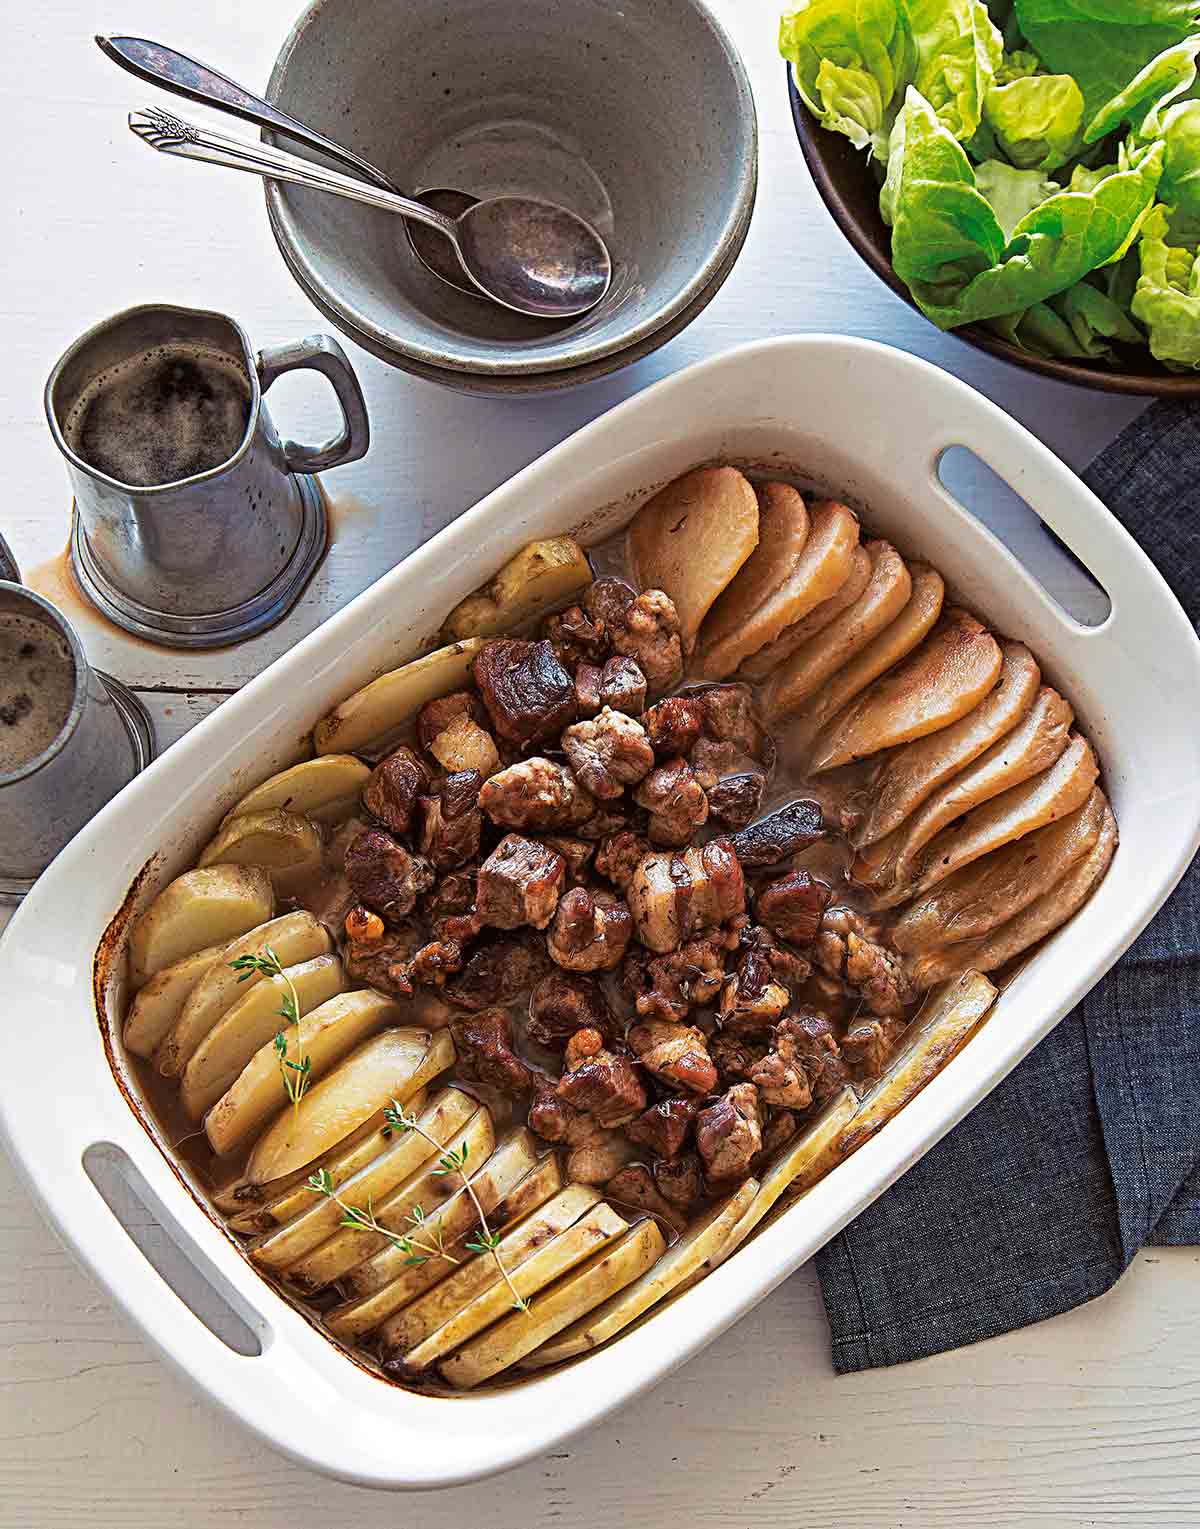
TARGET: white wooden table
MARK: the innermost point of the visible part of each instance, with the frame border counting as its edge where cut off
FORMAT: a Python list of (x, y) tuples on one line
[(1090, 1419)]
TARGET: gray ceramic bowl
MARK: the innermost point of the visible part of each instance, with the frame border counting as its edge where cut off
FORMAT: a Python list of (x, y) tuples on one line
[(637, 114)]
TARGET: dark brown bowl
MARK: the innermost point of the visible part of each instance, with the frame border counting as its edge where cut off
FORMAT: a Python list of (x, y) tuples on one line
[(848, 188)]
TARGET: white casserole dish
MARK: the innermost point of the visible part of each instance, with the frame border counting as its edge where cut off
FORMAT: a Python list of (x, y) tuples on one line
[(850, 415)]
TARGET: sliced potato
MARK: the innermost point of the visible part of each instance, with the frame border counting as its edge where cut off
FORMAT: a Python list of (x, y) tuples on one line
[(939, 683), (198, 909), (760, 663), (390, 1067), (541, 1183), (542, 575), (286, 844), (324, 1036), (464, 745), (251, 1023), (293, 937), (949, 1018), (320, 788), (379, 708), (444, 1117), (401, 1281), (701, 1242), (580, 1241), (691, 538), (1033, 923), (157, 1006), (914, 773)]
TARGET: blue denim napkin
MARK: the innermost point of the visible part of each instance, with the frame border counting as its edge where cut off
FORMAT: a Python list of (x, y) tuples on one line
[(1090, 1149)]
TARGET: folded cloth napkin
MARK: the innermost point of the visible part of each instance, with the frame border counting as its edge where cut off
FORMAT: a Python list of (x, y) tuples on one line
[(1090, 1149)]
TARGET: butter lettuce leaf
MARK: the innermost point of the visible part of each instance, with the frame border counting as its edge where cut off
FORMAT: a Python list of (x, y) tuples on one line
[(1012, 193), (851, 60), (1166, 76), (959, 49), (1036, 120), (1166, 300)]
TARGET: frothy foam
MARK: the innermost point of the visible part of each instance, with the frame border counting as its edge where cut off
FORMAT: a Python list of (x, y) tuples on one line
[(37, 687)]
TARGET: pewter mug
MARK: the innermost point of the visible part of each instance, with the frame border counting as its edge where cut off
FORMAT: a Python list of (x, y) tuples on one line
[(215, 557)]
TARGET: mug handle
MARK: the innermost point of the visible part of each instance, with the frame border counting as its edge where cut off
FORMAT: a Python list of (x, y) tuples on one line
[(323, 354)]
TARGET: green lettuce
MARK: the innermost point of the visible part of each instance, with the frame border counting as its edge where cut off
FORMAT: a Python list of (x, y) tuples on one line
[(851, 60), (1166, 300), (1036, 120), (1012, 193), (958, 52), (1166, 76)]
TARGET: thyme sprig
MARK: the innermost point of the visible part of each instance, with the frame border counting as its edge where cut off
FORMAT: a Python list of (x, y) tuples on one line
[(416, 1250), (296, 1073)]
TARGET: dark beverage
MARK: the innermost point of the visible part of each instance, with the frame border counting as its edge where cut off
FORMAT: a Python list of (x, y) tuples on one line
[(163, 415), (37, 687)]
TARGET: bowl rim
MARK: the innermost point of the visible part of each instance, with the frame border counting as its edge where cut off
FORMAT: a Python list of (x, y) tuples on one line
[(1078, 373), (446, 357)]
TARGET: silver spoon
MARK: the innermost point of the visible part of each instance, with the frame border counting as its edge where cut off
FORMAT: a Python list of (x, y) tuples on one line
[(531, 256)]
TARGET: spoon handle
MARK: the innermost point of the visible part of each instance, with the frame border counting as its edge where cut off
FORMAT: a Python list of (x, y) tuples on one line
[(172, 135), (185, 76)]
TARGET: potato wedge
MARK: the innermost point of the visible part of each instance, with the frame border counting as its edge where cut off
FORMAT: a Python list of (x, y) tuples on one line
[(812, 665), (580, 1241), (321, 789), (157, 1006), (914, 773), (464, 745), (286, 845), (993, 889), (251, 1023), (198, 909), (1033, 923), (691, 538), (701, 1242), (939, 683), (443, 1118), (387, 1068), (324, 1036), (430, 1312), (783, 529), (943, 1026), (293, 937), (760, 663), (1033, 745), (542, 575), (379, 708), (400, 1281)]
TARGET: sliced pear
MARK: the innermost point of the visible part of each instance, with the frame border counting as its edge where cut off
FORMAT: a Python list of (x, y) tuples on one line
[(937, 685), (915, 772), (379, 708), (323, 789), (285, 844), (691, 538), (392, 1066), (323, 1036), (199, 909), (801, 676), (769, 657), (1033, 745), (993, 889), (157, 1006), (685, 1257), (443, 1118), (251, 1023), (504, 1173), (592, 1231), (430, 1312), (949, 1018), (1033, 923), (1043, 799), (293, 937), (543, 575)]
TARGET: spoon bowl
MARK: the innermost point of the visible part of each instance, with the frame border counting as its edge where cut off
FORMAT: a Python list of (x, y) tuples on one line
[(534, 256)]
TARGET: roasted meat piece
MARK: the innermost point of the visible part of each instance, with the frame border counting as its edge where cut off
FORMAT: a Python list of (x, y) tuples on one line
[(678, 1054), (606, 600), (376, 955), (599, 1156), (672, 895), (435, 961), (600, 1082), (450, 823), (575, 637), (563, 1002), (633, 1185), (393, 788), (498, 971), (483, 1042), (752, 998), (729, 1134), (779, 1129), (591, 931), (618, 856), (608, 753), (729, 717), (676, 802), (868, 1044), (813, 1045), (576, 852), (674, 725), (384, 875), (619, 684), (780, 834), (436, 715), (734, 799), (665, 1126), (519, 883), (464, 745), (792, 907), (781, 1076), (528, 693), (734, 1055), (670, 986), (679, 1180), (844, 947), (536, 794), (643, 627)]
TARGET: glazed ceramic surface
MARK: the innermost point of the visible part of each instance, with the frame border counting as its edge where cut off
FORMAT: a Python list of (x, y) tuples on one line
[(638, 115), (795, 406)]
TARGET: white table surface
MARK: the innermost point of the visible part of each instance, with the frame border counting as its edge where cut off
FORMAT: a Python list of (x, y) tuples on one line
[(1091, 1419)]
